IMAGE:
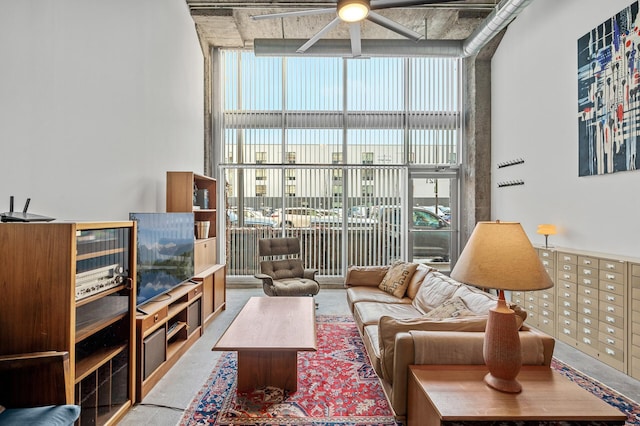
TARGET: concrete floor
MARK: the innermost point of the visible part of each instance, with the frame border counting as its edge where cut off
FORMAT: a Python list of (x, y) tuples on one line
[(166, 402)]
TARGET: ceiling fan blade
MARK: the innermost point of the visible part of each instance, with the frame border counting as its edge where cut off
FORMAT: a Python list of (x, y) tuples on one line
[(394, 26), (310, 12), (313, 40), (356, 43), (387, 4)]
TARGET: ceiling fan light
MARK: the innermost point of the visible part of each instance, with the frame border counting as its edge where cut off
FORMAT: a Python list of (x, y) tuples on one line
[(353, 10)]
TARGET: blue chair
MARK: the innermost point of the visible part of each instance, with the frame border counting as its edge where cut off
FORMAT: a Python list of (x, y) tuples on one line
[(37, 389)]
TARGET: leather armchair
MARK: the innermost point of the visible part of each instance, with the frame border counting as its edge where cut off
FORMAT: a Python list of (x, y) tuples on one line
[(283, 273), (37, 389)]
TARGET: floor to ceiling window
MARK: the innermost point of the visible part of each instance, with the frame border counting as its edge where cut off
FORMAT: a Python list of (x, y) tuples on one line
[(357, 157)]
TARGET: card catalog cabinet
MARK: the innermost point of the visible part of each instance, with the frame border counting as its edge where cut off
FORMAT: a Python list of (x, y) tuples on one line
[(592, 292), (634, 308), (540, 305)]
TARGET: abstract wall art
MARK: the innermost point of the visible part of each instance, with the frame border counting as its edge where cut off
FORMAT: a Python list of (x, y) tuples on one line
[(609, 95)]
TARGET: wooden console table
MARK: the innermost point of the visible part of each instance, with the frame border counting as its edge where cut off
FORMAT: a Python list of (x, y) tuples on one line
[(451, 395), (268, 333)]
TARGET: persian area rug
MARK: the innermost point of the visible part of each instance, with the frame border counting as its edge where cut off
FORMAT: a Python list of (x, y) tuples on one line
[(608, 395), (336, 386)]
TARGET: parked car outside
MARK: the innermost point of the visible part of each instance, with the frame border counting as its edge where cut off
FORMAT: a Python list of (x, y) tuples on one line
[(443, 212), (431, 234), (335, 222), (252, 219), (295, 217)]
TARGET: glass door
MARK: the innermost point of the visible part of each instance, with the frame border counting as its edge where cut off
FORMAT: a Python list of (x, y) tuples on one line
[(432, 218)]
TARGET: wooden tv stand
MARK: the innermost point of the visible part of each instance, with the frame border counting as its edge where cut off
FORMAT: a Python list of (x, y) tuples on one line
[(166, 329)]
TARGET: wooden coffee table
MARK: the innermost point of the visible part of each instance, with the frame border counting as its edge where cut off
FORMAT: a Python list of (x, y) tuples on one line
[(447, 395), (267, 334)]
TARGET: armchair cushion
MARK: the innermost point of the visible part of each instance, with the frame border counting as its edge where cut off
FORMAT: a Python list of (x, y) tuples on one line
[(50, 415), (280, 269)]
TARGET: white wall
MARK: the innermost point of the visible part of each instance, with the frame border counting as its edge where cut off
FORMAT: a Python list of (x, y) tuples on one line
[(98, 99), (535, 117)]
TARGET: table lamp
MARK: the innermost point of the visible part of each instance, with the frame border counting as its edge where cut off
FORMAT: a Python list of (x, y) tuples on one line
[(499, 255), (546, 230)]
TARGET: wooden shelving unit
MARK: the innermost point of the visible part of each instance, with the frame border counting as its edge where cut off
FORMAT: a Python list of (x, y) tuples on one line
[(166, 329), (183, 190), (51, 308)]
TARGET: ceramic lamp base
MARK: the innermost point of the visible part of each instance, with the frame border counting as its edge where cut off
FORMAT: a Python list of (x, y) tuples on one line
[(502, 353)]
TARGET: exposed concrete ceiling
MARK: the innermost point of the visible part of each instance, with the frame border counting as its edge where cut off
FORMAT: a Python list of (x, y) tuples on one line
[(228, 23)]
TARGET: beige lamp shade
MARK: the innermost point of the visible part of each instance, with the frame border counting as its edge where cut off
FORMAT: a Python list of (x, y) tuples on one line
[(353, 10), (546, 229), (499, 255)]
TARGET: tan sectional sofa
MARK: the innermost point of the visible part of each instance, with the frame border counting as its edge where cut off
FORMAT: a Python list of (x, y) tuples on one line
[(435, 320)]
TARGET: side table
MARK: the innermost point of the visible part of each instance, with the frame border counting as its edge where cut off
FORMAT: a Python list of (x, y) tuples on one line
[(457, 395)]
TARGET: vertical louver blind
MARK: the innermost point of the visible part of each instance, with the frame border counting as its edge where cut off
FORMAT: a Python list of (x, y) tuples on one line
[(311, 146)]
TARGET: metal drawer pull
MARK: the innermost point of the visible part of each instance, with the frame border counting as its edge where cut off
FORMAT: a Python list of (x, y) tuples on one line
[(586, 331), (567, 322), (567, 295), (610, 352), (545, 313), (611, 309), (545, 296), (610, 287), (545, 262), (586, 271), (567, 313), (587, 291), (567, 276), (586, 281), (610, 330), (611, 319), (567, 258), (611, 341), (545, 321), (611, 277), (611, 266), (545, 254), (587, 262), (587, 341), (587, 311), (567, 267), (587, 321), (611, 298), (567, 304), (566, 331)]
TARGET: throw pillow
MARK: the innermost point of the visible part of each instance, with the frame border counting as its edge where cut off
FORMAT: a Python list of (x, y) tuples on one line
[(397, 278), (452, 308)]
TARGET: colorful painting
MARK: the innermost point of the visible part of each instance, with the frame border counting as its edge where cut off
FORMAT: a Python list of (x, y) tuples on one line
[(609, 95)]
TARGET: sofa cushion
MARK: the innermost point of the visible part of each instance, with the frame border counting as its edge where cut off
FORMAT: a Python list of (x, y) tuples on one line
[(388, 327), (371, 343), (479, 302), (365, 275), (451, 308), (436, 288), (416, 280), (396, 280), (371, 294), (367, 313)]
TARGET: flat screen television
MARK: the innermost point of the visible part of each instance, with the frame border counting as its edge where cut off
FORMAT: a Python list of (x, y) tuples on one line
[(165, 252)]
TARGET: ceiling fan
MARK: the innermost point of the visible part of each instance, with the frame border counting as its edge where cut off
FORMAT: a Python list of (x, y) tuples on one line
[(353, 12)]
